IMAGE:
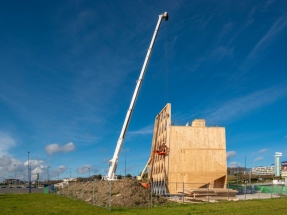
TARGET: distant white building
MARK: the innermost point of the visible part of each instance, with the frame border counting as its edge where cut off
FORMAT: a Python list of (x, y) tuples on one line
[(12, 181), (284, 169), (65, 182), (277, 163), (263, 170)]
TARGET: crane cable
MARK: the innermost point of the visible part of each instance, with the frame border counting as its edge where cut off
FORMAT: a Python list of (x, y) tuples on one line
[(166, 67)]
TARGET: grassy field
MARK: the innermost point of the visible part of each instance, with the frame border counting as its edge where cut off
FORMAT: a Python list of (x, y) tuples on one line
[(53, 204)]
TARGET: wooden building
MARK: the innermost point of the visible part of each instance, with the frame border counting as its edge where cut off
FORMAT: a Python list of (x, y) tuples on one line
[(193, 154)]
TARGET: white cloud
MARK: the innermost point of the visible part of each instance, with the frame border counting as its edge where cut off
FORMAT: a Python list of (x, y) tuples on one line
[(6, 142), (56, 172), (234, 164), (9, 167), (230, 154), (61, 169), (5, 161), (84, 169), (54, 148), (258, 159)]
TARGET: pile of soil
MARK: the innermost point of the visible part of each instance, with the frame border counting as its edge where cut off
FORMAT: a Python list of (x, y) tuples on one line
[(123, 192)]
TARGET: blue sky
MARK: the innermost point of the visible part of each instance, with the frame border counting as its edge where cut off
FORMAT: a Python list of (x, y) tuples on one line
[(68, 70)]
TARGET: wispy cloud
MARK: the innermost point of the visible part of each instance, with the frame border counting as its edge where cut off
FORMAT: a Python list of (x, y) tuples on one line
[(241, 106), (262, 151), (143, 131), (256, 53), (275, 29), (125, 150), (258, 159), (230, 154), (54, 148), (221, 52)]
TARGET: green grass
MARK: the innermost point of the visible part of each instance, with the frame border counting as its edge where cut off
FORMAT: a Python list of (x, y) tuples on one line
[(53, 204)]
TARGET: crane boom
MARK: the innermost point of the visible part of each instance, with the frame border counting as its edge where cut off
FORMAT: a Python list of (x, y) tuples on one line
[(114, 161)]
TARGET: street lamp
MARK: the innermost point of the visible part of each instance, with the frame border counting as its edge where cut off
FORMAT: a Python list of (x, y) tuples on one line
[(48, 172), (29, 175), (15, 173), (237, 174), (244, 168)]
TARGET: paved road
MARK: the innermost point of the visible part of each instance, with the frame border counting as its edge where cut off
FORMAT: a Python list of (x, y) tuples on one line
[(21, 190), (256, 196)]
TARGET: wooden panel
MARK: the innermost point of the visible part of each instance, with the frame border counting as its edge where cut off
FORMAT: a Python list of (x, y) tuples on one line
[(159, 165), (197, 154)]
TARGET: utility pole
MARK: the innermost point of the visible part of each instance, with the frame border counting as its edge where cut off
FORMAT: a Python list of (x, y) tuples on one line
[(244, 168), (15, 174), (237, 175), (29, 173), (48, 172)]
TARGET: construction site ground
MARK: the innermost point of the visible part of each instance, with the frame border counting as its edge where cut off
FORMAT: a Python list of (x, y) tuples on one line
[(130, 193), (125, 192)]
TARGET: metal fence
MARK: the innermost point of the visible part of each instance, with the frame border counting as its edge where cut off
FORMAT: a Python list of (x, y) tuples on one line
[(125, 193)]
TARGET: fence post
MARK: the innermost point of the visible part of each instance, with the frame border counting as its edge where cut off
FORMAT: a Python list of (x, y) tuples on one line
[(245, 191), (110, 195), (151, 194), (94, 192), (68, 189), (83, 191), (182, 192), (208, 193), (228, 191)]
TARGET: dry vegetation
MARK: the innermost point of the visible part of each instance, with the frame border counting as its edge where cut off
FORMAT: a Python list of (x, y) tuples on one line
[(125, 192)]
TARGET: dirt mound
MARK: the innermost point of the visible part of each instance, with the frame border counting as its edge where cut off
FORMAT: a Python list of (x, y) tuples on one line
[(124, 192)]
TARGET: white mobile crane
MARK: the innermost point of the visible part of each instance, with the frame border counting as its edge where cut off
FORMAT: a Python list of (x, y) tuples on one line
[(114, 161)]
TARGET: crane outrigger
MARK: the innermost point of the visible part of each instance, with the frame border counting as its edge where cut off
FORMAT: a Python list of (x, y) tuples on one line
[(114, 161)]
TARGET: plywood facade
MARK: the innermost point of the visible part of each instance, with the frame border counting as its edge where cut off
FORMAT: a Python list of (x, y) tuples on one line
[(197, 154)]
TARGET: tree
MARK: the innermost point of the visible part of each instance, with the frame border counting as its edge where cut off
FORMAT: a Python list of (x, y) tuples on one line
[(128, 176), (99, 176)]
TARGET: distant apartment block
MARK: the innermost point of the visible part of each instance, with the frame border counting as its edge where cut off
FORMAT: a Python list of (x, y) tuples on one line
[(284, 169), (263, 170)]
